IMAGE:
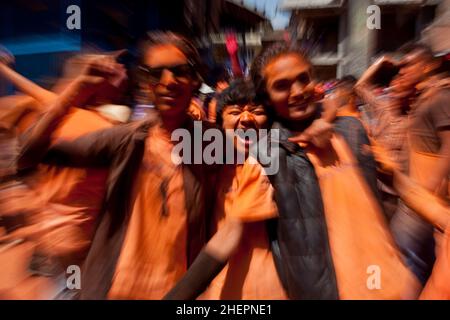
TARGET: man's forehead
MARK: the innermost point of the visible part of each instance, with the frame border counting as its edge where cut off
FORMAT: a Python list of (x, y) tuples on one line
[(164, 55), (286, 66)]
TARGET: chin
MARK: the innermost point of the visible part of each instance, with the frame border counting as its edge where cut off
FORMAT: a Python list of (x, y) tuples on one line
[(302, 115), (170, 109), (164, 107)]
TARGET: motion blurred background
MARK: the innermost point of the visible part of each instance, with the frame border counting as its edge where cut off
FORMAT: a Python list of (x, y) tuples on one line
[(334, 31)]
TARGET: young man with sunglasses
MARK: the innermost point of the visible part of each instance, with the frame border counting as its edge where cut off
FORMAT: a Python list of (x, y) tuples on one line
[(152, 225)]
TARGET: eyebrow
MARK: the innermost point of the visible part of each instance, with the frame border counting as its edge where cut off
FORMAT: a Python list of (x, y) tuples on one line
[(306, 72), (240, 106)]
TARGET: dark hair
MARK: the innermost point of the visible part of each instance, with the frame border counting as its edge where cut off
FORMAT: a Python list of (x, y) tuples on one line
[(268, 54), (219, 73), (183, 44), (346, 82), (426, 53), (424, 50), (240, 91)]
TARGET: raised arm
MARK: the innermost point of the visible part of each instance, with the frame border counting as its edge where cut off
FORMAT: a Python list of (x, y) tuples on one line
[(364, 86), (233, 48), (28, 87), (36, 142)]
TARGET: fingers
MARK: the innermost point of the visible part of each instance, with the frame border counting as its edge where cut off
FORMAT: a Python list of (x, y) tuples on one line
[(318, 134), (323, 140), (319, 92), (118, 53), (105, 65), (90, 80), (25, 232), (304, 137)]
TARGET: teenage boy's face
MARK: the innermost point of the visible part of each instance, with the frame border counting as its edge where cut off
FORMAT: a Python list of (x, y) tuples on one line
[(171, 79), (290, 87), (244, 117)]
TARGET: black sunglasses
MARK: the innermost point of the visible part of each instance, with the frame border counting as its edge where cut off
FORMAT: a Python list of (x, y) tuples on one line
[(180, 72)]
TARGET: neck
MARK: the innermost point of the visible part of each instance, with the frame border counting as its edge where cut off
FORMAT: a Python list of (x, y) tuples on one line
[(349, 107), (298, 125), (171, 122)]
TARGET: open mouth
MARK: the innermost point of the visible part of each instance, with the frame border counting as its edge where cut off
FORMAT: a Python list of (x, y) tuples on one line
[(168, 100), (247, 136)]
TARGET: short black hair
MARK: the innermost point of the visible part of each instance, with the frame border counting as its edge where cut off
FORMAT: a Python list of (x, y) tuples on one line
[(419, 47), (240, 91), (218, 74), (347, 82)]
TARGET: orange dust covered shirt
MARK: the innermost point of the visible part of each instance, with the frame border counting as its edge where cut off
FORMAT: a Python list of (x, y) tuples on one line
[(244, 193), (153, 256), (80, 188)]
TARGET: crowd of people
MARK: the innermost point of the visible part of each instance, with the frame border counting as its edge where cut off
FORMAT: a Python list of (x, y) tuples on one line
[(357, 208)]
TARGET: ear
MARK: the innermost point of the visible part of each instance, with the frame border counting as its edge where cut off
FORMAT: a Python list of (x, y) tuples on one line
[(151, 91)]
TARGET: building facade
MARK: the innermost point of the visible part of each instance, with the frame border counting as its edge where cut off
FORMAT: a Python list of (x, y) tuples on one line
[(339, 39)]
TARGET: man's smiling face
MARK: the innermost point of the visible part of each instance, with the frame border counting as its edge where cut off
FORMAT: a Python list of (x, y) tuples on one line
[(290, 87)]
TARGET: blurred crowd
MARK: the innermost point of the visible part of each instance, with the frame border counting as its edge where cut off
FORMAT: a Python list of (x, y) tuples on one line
[(358, 208)]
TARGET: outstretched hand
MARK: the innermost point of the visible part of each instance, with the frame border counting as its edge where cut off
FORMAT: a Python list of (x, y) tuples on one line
[(104, 66), (385, 61), (97, 70), (319, 134), (231, 44)]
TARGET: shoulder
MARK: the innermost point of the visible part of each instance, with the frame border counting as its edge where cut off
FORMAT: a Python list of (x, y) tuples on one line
[(348, 125), (436, 97)]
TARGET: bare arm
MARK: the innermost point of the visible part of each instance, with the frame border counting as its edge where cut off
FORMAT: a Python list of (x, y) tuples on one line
[(43, 96), (36, 141), (367, 76), (364, 85), (442, 167), (225, 242), (232, 48), (422, 201)]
